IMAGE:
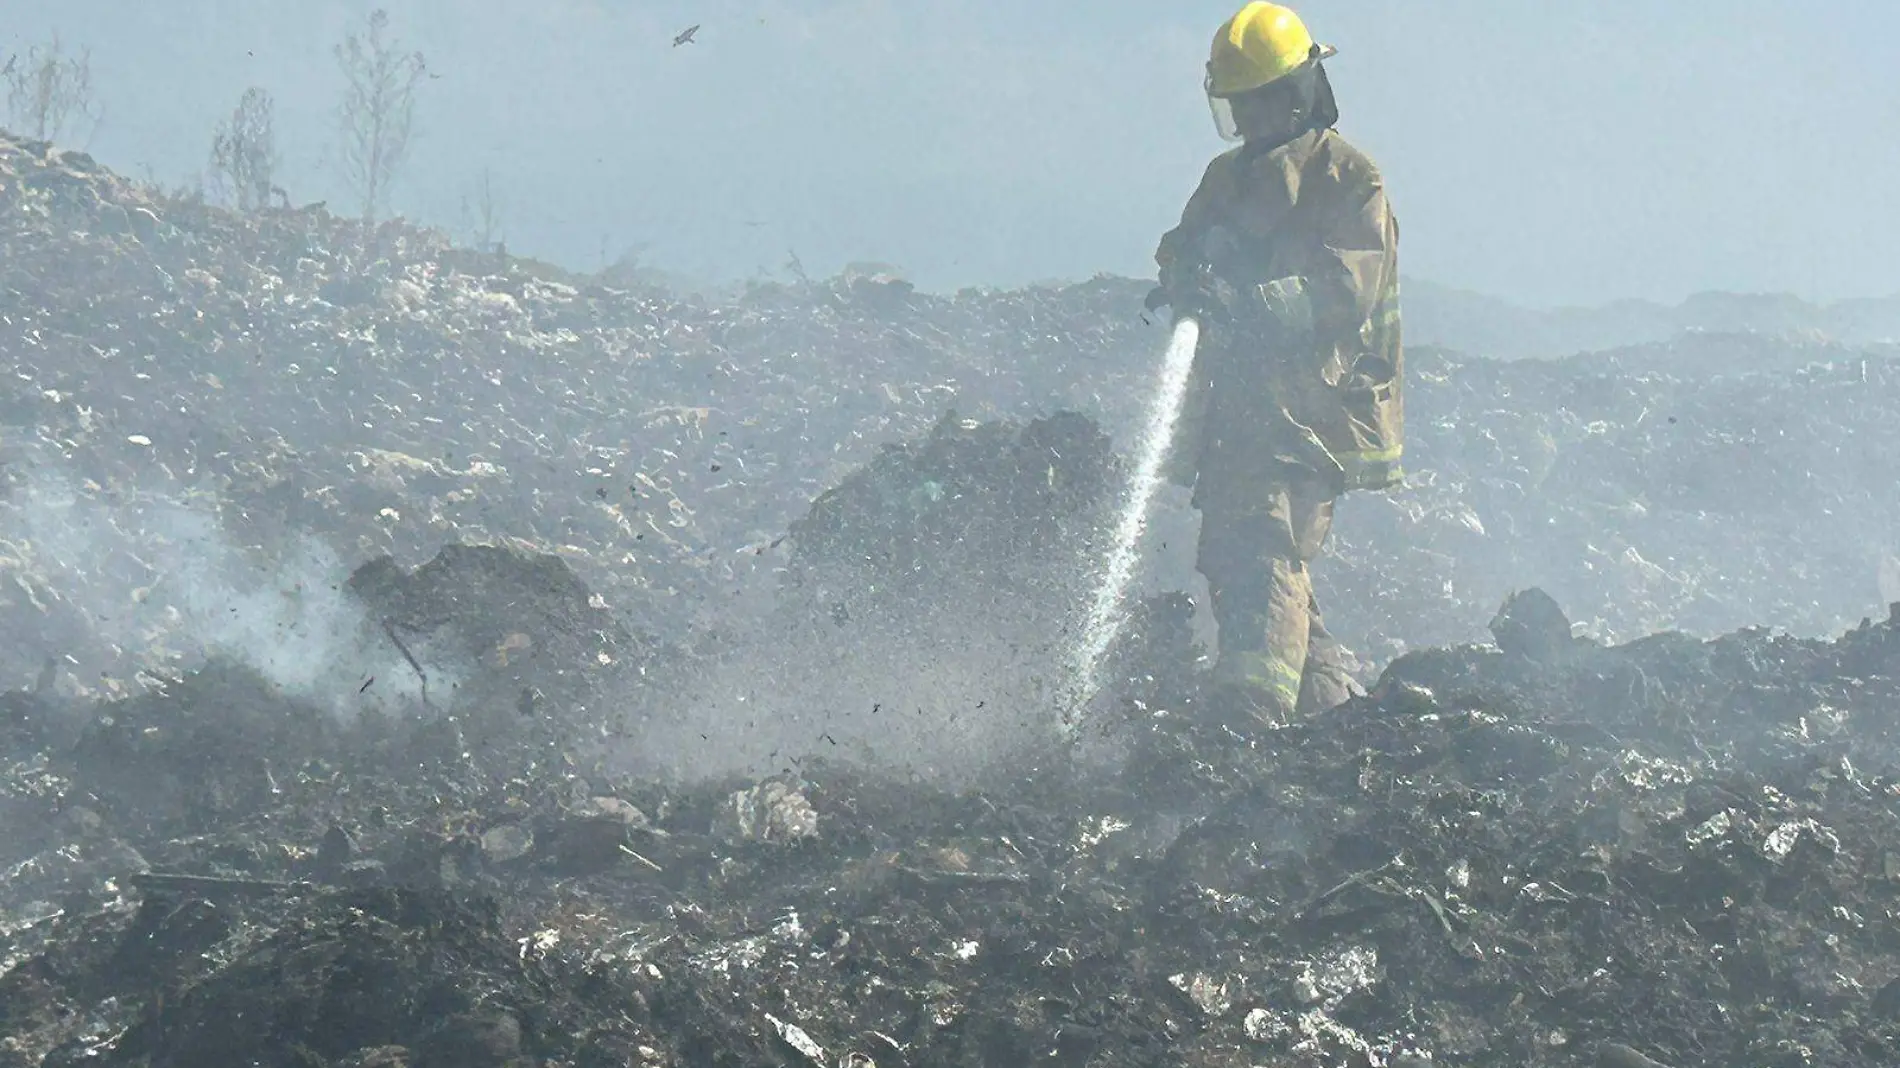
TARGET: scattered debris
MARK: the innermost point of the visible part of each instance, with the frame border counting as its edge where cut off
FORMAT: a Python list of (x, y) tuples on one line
[(510, 841), (800, 1042), (769, 812), (1650, 850)]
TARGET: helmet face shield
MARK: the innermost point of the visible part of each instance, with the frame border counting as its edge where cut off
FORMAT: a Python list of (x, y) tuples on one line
[(1224, 123), (1223, 110), (1280, 110)]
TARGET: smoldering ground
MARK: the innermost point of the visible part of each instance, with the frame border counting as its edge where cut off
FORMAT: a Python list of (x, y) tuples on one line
[(121, 588)]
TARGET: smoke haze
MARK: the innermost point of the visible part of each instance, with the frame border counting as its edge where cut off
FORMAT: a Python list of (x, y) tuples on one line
[(1548, 154)]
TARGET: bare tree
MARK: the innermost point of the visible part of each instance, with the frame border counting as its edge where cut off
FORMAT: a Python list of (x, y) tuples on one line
[(482, 215), (244, 151), (378, 106), (46, 89)]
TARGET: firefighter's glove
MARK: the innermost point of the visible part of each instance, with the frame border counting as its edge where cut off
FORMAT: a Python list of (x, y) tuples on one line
[(1209, 298)]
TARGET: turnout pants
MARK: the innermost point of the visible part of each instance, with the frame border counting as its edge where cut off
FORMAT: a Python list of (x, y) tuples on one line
[(1276, 656)]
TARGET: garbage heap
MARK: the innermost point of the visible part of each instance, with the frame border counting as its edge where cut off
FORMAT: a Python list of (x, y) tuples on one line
[(399, 394), (1705, 485), (337, 702), (385, 393), (1537, 851)]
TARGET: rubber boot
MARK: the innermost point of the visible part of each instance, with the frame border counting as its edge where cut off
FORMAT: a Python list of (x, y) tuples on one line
[(1254, 690), (1326, 682)]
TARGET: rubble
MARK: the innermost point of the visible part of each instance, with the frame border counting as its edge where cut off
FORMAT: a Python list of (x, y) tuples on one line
[(768, 812), (1673, 849), (1620, 843)]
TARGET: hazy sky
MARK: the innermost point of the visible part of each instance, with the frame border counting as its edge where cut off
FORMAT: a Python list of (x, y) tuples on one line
[(1549, 153)]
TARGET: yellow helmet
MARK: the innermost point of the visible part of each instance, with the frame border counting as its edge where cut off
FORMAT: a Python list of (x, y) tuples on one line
[(1262, 43)]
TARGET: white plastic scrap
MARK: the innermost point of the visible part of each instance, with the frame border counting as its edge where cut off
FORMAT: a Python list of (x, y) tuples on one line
[(1716, 826), (539, 943), (771, 812), (1851, 774), (1330, 977), (1096, 833), (1781, 841), (1316, 1028), (1825, 719), (1459, 875), (1262, 1025), (788, 929), (744, 953), (1208, 994), (1650, 773), (795, 1037)]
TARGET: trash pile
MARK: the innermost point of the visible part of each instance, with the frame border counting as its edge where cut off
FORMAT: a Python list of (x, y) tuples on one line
[(387, 393), (1706, 485), (1540, 851), (348, 580), (328, 393), (1470, 322)]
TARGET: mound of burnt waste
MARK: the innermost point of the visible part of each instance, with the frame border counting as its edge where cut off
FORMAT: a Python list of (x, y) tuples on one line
[(966, 492), (1538, 851), (534, 627)]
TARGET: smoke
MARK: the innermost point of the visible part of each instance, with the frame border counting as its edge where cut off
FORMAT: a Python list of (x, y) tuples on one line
[(928, 617), (118, 585), (952, 681)]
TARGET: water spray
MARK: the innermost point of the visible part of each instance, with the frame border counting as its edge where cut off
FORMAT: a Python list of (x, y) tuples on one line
[(1107, 612)]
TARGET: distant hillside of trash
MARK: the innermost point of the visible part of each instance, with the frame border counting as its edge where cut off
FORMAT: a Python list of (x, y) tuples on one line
[(1487, 326), (185, 380)]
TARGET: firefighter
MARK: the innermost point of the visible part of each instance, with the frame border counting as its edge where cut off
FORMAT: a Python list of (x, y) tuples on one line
[(1286, 256)]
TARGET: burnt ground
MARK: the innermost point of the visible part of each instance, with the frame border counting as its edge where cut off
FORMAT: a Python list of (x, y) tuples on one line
[(1528, 852), (334, 741)]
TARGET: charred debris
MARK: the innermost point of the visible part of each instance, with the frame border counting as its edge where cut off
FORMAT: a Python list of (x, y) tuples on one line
[(1618, 843)]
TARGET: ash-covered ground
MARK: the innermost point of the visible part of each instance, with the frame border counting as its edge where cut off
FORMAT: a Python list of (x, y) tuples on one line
[(422, 657)]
